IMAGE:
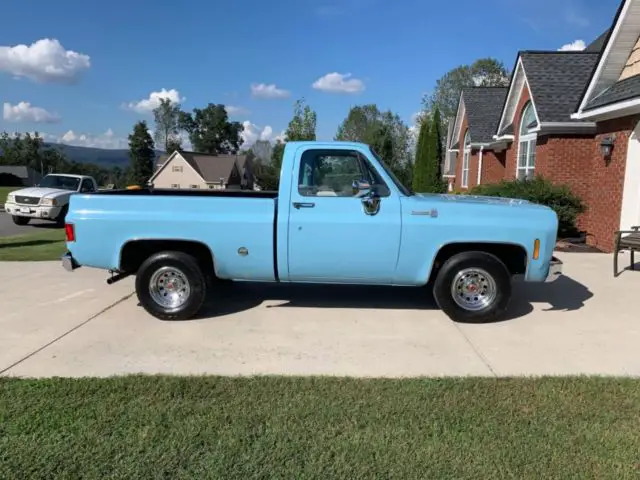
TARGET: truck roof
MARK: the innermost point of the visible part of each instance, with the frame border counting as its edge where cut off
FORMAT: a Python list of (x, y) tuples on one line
[(72, 175), (331, 143)]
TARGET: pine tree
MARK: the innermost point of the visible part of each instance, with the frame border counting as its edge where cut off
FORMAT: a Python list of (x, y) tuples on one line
[(420, 166), (436, 153), (142, 154)]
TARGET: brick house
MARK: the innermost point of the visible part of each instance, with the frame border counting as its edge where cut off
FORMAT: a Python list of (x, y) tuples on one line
[(562, 113)]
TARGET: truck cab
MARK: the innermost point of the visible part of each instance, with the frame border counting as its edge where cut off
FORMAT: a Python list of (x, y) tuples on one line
[(340, 216)]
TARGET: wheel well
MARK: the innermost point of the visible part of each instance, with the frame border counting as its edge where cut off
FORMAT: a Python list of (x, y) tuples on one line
[(513, 256), (135, 252)]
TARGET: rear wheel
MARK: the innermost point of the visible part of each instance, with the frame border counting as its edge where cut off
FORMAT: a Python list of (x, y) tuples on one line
[(473, 287), (20, 220), (171, 286)]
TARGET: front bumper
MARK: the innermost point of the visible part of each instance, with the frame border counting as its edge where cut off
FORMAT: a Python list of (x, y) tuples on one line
[(555, 270), (32, 211), (69, 263)]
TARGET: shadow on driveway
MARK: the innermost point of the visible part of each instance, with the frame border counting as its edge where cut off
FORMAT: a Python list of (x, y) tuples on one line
[(565, 294)]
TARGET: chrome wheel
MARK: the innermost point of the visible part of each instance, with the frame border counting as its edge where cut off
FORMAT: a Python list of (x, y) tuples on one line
[(474, 289), (169, 287)]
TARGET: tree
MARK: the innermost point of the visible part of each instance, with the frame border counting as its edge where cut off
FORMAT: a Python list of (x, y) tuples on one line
[(485, 72), (382, 130), (167, 120), (142, 154), (420, 165), (210, 130), (303, 124), (435, 155), (175, 144)]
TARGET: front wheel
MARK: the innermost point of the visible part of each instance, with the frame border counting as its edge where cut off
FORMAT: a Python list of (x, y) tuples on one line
[(171, 286), (473, 287), (20, 220)]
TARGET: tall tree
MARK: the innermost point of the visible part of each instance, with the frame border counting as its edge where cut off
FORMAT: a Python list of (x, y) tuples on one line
[(210, 130), (420, 183), (167, 120), (485, 72), (142, 154), (435, 155)]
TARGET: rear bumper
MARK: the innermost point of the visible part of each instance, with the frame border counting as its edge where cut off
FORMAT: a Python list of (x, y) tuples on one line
[(69, 263), (555, 270)]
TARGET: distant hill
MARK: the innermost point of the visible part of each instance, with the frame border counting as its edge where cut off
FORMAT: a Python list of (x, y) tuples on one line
[(102, 157)]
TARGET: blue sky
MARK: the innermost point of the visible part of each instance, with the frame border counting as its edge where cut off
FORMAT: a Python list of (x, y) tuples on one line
[(214, 51)]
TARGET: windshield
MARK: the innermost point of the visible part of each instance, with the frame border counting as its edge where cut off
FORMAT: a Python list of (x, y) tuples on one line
[(61, 182), (404, 190)]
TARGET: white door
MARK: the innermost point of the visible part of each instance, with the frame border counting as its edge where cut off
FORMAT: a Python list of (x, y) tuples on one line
[(630, 215)]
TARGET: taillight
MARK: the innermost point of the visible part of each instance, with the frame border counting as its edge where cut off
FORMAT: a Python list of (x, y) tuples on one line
[(70, 231)]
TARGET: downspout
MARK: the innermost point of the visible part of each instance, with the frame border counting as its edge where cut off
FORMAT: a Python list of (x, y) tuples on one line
[(480, 165)]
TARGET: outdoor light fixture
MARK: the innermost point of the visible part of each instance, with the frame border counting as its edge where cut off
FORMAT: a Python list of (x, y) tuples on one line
[(606, 145)]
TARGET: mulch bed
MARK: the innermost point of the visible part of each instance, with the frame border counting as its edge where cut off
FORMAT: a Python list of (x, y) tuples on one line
[(574, 247)]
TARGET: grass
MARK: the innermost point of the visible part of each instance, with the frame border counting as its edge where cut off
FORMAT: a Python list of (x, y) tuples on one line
[(272, 427), (46, 244), (4, 191)]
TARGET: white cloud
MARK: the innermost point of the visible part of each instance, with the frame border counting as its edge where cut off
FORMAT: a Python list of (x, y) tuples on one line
[(44, 61), (252, 133), (262, 90), (25, 112), (106, 140), (235, 110), (577, 45), (339, 83), (148, 104)]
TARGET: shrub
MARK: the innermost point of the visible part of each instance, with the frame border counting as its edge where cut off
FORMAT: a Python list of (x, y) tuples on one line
[(539, 190)]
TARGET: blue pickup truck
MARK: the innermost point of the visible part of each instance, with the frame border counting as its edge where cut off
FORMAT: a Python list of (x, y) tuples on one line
[(340, 216)]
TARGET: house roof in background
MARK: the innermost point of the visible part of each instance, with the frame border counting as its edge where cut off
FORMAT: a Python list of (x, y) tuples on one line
[(557, 80), (213, 167), (19, 171), (598, 44), (483, 107)]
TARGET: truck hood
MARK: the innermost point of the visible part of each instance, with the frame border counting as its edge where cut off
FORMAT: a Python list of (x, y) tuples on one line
[(470, 199), (40, 192)]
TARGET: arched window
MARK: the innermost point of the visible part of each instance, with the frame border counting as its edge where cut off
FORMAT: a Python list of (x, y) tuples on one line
[(527, 143), (465, 160)]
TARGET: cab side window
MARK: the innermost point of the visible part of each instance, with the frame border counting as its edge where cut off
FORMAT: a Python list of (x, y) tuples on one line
[(332, 173), (87, 186)]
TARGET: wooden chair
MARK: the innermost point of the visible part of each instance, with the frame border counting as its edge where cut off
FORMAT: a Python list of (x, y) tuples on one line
[(630, 241)]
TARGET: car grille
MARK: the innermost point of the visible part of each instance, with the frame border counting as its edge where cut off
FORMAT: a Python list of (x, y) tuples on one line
[(27, 200)]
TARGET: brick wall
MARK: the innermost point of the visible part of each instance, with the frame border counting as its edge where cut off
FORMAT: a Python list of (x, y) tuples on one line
[(493, 166)]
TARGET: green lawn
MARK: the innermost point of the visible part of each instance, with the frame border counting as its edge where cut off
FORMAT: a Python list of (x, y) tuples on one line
[(43, 244), (272, 427), (4, 191)]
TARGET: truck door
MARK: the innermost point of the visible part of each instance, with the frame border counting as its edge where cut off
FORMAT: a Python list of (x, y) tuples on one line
[(344, 221)]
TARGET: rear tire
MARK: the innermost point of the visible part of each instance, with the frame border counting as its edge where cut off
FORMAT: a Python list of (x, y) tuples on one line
[(473, 287), (171, 286), (20, 220)]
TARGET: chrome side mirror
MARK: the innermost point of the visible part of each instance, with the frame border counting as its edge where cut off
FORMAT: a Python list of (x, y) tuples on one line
[(371, 203)]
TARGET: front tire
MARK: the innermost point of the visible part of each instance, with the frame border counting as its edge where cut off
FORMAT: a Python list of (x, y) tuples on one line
[(20, 220), (473, 287), (171, 286)]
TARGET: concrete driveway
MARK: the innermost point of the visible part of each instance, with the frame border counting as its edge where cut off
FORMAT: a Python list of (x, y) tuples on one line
[(8, 228), (58, 324)]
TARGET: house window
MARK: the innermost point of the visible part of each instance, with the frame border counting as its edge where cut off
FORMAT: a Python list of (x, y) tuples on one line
[(527, 144), (176, 168), (175, 185), (465, 160)]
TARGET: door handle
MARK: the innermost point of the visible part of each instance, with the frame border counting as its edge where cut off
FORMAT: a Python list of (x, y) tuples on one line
[(300, 205)]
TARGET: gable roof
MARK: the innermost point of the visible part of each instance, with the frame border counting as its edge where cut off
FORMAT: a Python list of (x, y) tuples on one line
[(483, 107), (605, 89), (556, 80), (598, 44), (211, 168)]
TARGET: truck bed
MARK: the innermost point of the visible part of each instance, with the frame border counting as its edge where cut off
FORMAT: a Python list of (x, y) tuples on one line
[(195, 192)]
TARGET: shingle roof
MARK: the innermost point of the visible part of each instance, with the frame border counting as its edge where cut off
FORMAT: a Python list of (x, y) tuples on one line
[(213, 167), (598, 44), (483, 106), (622, 90), (557, 80)]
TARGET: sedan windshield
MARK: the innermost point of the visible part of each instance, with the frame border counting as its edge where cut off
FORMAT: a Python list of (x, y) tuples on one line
[(61, 182)]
